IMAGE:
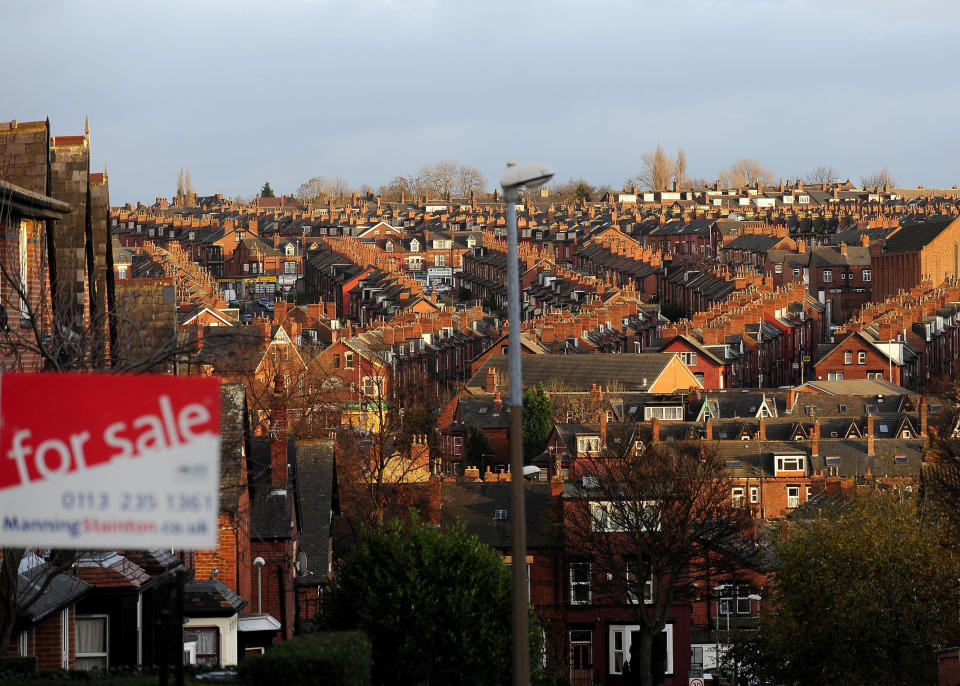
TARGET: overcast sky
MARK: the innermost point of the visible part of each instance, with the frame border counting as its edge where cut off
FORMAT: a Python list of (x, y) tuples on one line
[(243, 91)]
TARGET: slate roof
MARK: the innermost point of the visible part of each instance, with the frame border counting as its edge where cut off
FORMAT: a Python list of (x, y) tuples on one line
[(630, 371), (110, 570), (63, 590), (317, 494), (914, 235), (475, 503), (233, 448), (270, 511), (210, 599)]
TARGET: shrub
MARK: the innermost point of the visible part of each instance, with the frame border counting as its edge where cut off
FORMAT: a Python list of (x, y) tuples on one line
[(332, 658)]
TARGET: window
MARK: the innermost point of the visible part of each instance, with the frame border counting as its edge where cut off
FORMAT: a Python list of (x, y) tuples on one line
[(689, 359), (793, 463), (632, 587), (663, 413), (581, 649), (588, 444), (834, 376), (457, 444), (92, 642), (734, 599), (439, 260), (754, 494), (778, 268), (862, 357), (736, 495), (796, 271), (580, 593), (866, 275), (827, 276), (793, 496), (622, 637), (348, 360), (848, 357), (208, 644)]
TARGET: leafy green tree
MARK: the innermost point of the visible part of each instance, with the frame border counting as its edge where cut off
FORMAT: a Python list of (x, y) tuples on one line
[(864, 594), (434, 602), (537, 421), (266, 191), (478, 450)]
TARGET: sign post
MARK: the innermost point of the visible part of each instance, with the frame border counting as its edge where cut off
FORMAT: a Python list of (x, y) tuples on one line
[(92, 461)]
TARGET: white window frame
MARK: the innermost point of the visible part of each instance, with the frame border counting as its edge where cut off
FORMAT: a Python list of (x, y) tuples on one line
[(218, 640), (867, 275), (783, 460), (737, 496), (105, 654), (793, 501), (576, 585), (754, 495), (660, 412), (588, 444), (623, 633), (861, 357), (348, 360), (828, 276), (689, 358)]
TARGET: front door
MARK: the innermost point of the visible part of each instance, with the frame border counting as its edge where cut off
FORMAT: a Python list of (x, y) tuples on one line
[(581, 657)]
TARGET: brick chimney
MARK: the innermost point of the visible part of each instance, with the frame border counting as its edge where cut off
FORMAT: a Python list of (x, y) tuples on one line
[(497, 403), (709, 429), (923, 417), (603, 427), (490, 386), (870, 448), (655, 428), (278, 436), (815, 439), (791, 397), (763, 429)]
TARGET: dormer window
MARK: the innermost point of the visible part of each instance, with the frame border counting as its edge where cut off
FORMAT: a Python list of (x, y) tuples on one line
[(588, 444), (790, 463), (414, 246)]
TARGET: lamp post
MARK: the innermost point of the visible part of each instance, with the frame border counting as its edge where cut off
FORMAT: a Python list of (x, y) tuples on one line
[(514, 177)]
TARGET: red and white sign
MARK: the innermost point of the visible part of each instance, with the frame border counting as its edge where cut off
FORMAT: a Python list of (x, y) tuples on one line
[(109, 461), (696, 681)]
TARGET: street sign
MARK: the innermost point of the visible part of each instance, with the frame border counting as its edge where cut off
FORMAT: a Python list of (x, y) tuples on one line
[(806, 358), (696, 681), (109, 461)]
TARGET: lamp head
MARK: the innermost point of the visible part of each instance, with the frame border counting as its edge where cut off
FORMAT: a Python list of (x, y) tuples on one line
[(529, 174)]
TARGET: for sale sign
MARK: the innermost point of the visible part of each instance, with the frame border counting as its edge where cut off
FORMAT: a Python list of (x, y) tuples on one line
[(109, 461)]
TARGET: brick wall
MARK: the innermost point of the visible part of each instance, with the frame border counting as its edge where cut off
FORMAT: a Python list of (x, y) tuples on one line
[(276, 580), (69, 182)]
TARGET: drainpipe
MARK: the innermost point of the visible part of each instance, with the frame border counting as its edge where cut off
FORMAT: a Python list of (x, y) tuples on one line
[(258, 562)]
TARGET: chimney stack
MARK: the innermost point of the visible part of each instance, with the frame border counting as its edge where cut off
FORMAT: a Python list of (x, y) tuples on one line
[(655, 428), (870, 447), (923, 417)]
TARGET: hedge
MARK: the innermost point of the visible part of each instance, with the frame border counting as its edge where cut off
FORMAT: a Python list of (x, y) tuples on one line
[(332, 658)]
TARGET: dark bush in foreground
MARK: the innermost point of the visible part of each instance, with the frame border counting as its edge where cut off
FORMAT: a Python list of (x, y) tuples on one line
[(332, 658), (17, 667)]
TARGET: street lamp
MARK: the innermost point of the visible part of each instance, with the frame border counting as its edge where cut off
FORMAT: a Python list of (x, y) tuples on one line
[(514, 177)]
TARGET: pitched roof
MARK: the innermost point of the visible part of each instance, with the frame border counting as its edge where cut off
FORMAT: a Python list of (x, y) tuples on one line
[(916, 234), (210, 599), (476, 503), (630, 371), (233, 447), (317, 495)]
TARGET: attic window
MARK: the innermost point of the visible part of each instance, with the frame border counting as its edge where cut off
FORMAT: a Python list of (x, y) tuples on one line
[(591, 482), (871, 409), (833, 434), (883, 428), (843, 408), (936, 408), (833, 460), (723, 434), (500, 514), (734, 463), (900, 459)]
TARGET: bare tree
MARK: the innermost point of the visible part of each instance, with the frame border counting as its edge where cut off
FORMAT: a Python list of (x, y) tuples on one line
[(656, 170), (746, 172), (641, 520), (469, 179), (680, 169), (321, 188), (821, 174), (186, 195), (878, 179)]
